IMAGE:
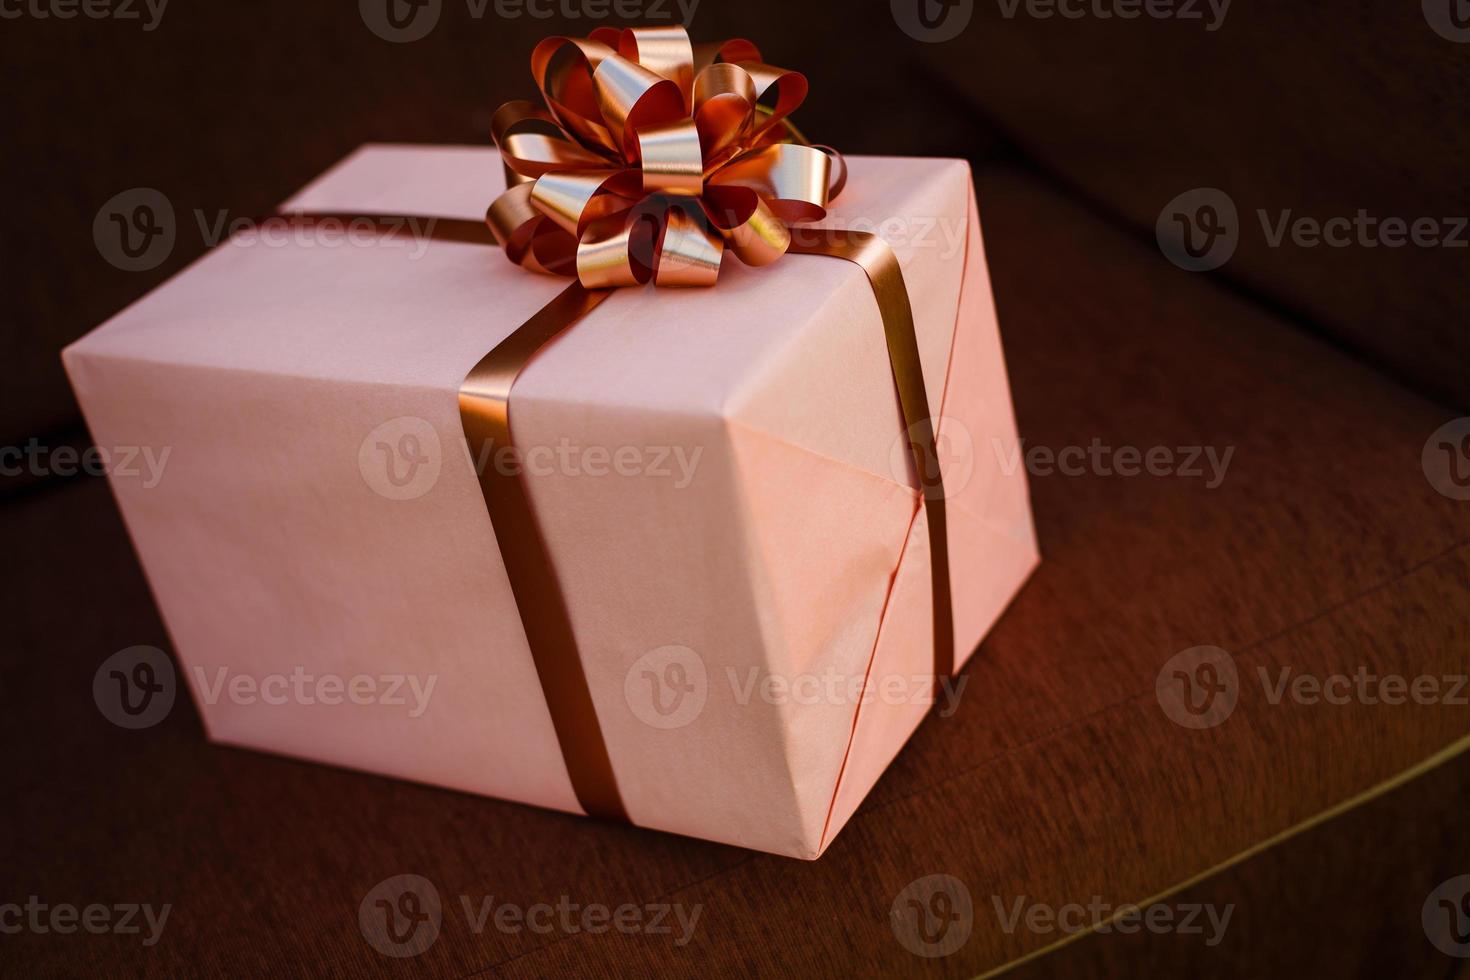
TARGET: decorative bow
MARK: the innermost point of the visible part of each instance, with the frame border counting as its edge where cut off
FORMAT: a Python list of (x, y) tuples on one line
[(653, 155)]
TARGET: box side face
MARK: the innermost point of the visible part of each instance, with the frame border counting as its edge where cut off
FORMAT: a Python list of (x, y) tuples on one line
[(651, 543), (733, 574), (992, 545), (323, 560)]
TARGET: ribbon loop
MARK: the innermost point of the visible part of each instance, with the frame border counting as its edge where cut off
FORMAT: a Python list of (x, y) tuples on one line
[(664, 51), (531, 143), (672, 161), (779, 92), (792, 178), (749, 226), (573, 198), (724, 104), (689, 251), (714, 52), (618, 250), (631, 97), (563, 68)]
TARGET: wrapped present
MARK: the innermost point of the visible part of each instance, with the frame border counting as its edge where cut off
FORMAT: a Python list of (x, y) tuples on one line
[(701, 559)]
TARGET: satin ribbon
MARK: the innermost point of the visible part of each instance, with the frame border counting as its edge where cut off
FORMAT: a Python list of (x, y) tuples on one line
[(651, 156), (613, 186)]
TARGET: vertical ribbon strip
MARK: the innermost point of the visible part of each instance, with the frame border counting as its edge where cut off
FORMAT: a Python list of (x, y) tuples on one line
[(484, 411), (886, 278)]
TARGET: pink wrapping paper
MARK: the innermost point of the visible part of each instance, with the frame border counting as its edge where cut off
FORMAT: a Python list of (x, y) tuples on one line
[(739, 592)]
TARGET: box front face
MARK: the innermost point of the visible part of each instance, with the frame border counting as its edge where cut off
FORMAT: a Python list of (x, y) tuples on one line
[(330, 594), (715, 478)]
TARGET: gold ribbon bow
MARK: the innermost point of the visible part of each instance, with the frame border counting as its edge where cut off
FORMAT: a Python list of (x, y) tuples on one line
[(652, 156)]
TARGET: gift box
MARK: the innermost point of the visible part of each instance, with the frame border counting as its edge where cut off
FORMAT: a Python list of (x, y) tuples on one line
[(722, 482), (732, 518)]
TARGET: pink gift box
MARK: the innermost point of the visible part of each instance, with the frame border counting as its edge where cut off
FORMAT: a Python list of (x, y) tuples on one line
[(721, 477)]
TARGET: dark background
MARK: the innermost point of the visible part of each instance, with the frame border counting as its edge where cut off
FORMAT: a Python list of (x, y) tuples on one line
[(1323, 109), (1331, 364)]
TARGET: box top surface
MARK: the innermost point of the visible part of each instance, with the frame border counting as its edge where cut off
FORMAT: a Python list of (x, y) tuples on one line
[(408, 311)]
